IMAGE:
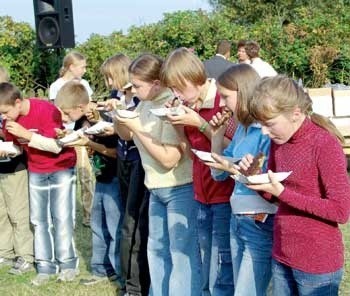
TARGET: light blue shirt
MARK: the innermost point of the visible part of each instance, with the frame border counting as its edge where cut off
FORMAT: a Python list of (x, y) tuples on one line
[(244, 141)]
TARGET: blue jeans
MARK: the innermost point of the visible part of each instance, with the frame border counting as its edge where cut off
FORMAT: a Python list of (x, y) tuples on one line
[(214, 239), (173, 251), (251, 248), (287, 281), (106, 217), (52, 213)]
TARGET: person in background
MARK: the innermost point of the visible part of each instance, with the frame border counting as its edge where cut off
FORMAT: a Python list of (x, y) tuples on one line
[(263, 68), (241, 53), (173, 253), (74, 67), (32, 123), (220, 62), (135, 196), (252, 216), (184, 73), (107, 210), (308, 251), (16, 240)]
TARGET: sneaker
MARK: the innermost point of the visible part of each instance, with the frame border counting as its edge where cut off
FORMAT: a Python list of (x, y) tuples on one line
[(92, 280), (41, 279), (21, 266), (67, 275), (5, 262)]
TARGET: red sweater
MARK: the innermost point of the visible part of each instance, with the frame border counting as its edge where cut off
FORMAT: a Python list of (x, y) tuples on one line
[(44, 117), (315, 199), (206, 190)]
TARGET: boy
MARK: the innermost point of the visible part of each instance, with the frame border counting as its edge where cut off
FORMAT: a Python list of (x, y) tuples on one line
[(16, 239), (51, 178), (107, 211)]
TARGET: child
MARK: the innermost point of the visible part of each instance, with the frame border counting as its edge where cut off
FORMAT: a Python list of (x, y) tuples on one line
[(173, 254), (16, 241), (107, 211), (51, 182), (308, 251), (184, 73), (74, 67), (252, 216), (133, 248)]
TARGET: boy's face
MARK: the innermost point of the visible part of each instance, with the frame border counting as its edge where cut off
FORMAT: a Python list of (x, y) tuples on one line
[(74, 113), (10, 112), (190, 94)]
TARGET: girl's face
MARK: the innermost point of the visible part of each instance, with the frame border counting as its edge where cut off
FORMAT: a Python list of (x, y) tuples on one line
[(228, 97), (280, 128), (78, 69), (190, 94), (145, 91), (242, 55)]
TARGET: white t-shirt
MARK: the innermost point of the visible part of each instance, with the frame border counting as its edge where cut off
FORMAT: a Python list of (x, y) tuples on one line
[(56, 86), (263, 68)]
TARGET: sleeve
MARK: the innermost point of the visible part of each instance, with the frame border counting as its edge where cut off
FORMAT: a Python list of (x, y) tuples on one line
[(335, 204), (53, 92), (51, 120), (45, 144)]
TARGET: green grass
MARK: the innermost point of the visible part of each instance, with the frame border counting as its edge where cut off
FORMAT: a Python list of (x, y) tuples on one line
[(11, 285)]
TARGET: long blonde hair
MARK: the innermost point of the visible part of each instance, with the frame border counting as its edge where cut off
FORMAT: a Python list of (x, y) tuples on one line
[(241, 78), (180, 66), (280, 94), (116, 68), (69, 60)]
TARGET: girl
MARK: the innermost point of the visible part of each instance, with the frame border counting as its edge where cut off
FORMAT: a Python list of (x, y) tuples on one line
[(172, 248), (74, 67), (133, 251), (308, 250), (252, 216), (184, 73)]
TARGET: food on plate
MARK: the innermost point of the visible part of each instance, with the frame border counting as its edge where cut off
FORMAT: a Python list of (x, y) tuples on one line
[(226, 115), (256, 166)]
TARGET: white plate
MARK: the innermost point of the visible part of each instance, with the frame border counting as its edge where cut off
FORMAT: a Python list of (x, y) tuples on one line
[(98, 128), (164, 111), (206, 156), (260, 179), (8, 147), (126, 113), (73, 136)]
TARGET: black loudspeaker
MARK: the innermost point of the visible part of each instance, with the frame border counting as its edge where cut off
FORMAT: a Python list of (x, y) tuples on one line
[(54, 23)]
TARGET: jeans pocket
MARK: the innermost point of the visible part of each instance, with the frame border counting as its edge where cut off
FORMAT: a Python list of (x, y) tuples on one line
[(224, 274)]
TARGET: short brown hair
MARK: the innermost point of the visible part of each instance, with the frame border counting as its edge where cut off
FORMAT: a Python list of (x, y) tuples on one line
[(71, 95), (252, 49), (180, 66), (223, 47), (146, 67), (9, 93), (241, 43)]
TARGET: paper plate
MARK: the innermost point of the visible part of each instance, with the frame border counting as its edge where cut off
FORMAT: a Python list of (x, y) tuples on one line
[(8, 147), (126, 113), (165, 111), (260, 179), (206, 156), (98, 128)]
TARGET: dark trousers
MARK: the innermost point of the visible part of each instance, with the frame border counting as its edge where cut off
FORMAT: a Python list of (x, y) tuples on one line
[(133, 245)]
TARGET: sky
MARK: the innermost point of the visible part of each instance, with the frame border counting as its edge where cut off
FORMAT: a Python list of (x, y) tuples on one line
[(105, 16)]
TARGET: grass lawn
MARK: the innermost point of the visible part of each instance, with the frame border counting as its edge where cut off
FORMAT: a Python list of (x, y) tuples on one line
[(11, 285)]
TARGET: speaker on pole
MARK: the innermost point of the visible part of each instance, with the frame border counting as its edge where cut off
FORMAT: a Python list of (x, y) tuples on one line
[(54, 23)]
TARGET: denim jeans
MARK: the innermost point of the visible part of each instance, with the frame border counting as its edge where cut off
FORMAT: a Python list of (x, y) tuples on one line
[(106, 216), (52, 213), (287, 281), (133, 245), (214, 239), (173, 250), (251, 248)]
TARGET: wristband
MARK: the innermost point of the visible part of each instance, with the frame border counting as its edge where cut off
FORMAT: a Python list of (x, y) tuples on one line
[(203, 126)]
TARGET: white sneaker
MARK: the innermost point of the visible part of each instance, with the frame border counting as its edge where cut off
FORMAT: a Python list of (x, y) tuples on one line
[(67, 275), (41, 279)]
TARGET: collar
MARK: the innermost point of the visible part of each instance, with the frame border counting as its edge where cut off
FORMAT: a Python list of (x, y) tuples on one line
[(220, 55), (166, 93), (209, 100)]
